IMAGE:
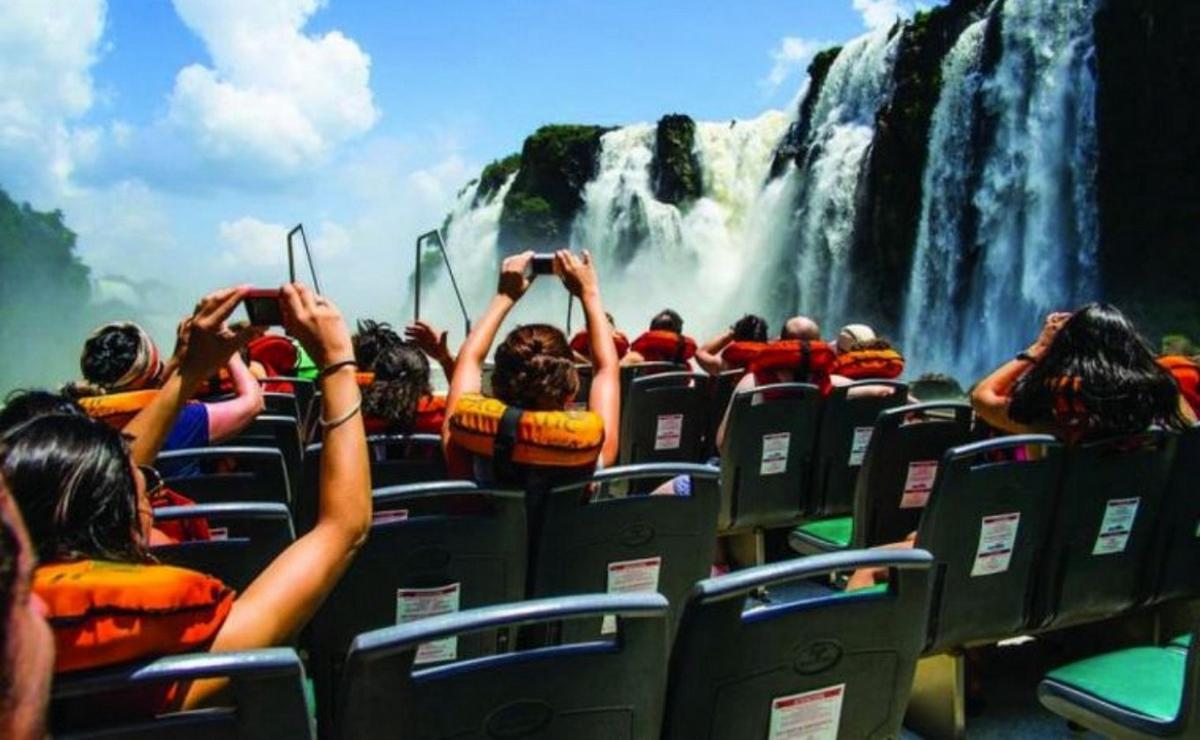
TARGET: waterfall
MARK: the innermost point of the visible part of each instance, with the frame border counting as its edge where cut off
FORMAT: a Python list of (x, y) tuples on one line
[(933, 302), (699, 258), (858, 84), (1038, 225)]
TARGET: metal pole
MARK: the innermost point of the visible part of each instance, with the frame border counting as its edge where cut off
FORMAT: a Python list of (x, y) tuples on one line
[(312, 268)]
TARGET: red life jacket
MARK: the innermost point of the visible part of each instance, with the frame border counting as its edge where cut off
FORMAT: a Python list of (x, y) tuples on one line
[(665, 346), (581, 343), (867, 364), (1187, 375), (431, 413), (808, 361)]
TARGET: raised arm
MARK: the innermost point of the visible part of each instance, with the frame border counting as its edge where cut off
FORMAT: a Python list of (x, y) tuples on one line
[(204, 344), (709, 356), (226, 419), (286, 594), (747, 382), (468, 368), (579, 276), (433, 342), (992, 395)]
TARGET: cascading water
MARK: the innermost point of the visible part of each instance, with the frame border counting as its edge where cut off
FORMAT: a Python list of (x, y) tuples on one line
[(858, 84), (645, 247), (933, 298), (1038, 227)]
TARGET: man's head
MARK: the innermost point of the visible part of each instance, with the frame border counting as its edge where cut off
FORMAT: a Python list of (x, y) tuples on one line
[(854, 334), (26, 643), (667, 320), (802, 328)]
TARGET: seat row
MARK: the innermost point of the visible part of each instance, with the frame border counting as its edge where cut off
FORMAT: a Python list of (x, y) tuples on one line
[(739, 665)]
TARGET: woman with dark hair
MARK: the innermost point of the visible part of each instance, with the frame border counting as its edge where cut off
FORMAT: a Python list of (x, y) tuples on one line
[(121, 357), (84, 498), (664, 341), (749, 328), (534, 366), (21, 406), (399, 399), (1088, 375)]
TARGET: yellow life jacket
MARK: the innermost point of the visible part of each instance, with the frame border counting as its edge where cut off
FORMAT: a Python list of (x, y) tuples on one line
[(867, 364), (116, 409), (567, 439)]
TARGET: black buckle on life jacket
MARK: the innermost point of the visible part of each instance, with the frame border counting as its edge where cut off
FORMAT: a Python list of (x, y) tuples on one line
[(503, 466), (804, 371)]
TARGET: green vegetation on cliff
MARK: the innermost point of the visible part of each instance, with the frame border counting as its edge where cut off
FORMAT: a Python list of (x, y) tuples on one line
[(44, 293), (493, 177), (793, 146), (675, 170), (556, 163)]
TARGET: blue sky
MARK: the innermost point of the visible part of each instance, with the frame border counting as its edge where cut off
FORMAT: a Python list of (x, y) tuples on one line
[(181, 138)]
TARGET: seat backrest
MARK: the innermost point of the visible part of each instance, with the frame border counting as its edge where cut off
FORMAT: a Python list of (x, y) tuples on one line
[(282, 404), (604, 690), (280, 433), (602, 536), (303, 389), (767, 455), (664, 419), (847, 423), (433, 548), (396, 460), (986, 523), (266, 691), (1179, 529), (900, 466), (1098, 560), (843, 662), (213, 475), (246, 537)]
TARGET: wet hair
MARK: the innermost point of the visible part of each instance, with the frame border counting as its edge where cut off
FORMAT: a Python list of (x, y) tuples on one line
[(936, 386), (22, 405), (109, 354), (401, 381), (371, 340), (535, 369), (750, 328), (1121, 388), (72, 479), (667, 320)]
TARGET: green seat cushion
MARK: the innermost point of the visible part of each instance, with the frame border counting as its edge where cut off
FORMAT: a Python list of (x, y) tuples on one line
[(836, 531), (1146, 680), (1183, 641)]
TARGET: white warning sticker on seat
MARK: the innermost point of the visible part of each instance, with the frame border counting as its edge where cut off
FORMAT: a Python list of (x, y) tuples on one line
[(858, 446), (774, 453), (1116, 526), (918, 483), (997, 535), (389, 515), (668, 432), (418, 603), (627, 577), (813, 715)]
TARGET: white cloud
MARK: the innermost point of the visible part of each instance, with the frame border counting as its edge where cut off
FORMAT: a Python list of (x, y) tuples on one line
[(250, 243), (791, 56), (47, 50), (878, 14), (274, 95)]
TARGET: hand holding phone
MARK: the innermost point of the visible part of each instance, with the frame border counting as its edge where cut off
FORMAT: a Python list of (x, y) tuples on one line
[(263, 307)]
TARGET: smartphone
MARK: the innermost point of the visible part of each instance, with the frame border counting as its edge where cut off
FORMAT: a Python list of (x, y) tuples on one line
[(263, 307), (542, 264)]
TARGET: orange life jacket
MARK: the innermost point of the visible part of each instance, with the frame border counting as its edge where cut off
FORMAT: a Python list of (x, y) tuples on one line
[(665, 346), (581, 343), (105, 613), (564, 439), (1187, 375), (741, 354), (117, 409), (808, 361), (865, 364), (431, 413)]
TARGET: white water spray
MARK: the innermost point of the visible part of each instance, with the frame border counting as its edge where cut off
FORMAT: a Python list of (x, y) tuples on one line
[(843, 126)]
